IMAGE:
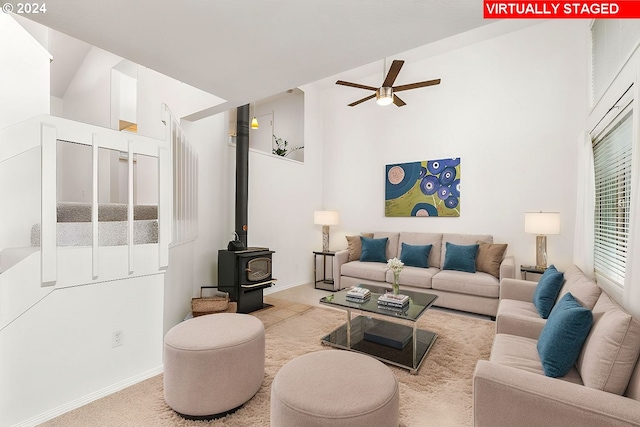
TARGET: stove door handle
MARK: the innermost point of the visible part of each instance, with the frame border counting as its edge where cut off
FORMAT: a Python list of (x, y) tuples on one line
[(270, 283)]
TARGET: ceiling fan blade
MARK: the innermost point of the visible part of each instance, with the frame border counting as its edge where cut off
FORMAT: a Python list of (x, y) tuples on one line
[(396, 65), (416, 85), (399, 102), (359, 86), (360, 101)]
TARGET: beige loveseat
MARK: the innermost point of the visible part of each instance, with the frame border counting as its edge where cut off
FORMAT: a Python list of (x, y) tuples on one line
[(473, 292), (602, 389)]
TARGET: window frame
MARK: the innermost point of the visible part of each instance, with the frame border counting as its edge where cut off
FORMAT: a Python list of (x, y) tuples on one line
[(612, 279)]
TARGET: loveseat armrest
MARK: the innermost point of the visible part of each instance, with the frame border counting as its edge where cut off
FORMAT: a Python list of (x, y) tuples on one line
[(341, 257), (507, 396), (517, 289), (508, 268)]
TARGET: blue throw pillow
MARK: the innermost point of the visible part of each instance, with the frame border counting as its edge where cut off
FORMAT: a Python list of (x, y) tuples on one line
[(460, 257), (562, 337), (374, 250), (415, 255), (547, 291)]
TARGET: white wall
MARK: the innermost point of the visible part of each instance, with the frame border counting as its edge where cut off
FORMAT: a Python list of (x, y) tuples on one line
[(282, 197), (25, 210), (146, 184), (24, 67), (510, 107), (88, 97), (154, 89), (57, 106), (194, 264), (288, 120), (59, 355), (74, 172), (207, 137), (128, 98), (178, 287)]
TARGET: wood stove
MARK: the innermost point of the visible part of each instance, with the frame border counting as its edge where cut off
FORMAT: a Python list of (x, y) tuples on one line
[(244, 275)]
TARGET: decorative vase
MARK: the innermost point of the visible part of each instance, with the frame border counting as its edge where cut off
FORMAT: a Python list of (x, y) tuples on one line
[(396, 282)]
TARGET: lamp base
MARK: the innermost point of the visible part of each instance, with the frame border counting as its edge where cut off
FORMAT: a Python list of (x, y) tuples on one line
[(541, 251), (325, 238)]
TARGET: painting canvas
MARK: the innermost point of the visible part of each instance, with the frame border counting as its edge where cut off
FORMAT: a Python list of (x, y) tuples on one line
[(425, 188)]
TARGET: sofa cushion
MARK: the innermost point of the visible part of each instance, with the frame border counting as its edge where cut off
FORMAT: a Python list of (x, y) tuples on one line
[(462, 239), (521, 353), (581, 287), (460, 257), (547, 291), (373, 250), (354, 246), (433, 239), (415, 255), (480, 284), (392, 246), (563, 335), (414, 276), (611, 350), (520, 318), (365, 270), (489, 257)]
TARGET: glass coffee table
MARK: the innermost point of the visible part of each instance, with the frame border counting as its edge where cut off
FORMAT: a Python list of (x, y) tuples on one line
[(388, 339)]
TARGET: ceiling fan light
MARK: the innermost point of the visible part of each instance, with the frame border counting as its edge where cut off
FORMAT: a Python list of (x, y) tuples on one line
[(254, 123), (384, 96)]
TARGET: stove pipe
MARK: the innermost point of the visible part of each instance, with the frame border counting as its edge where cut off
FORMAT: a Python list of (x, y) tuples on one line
[(242, 172)]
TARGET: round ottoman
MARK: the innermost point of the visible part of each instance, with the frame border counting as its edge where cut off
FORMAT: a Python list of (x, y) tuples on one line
[(213, 364), (334, 388)]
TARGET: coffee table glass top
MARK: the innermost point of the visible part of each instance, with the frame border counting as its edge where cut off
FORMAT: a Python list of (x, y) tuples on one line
[(418, 302)]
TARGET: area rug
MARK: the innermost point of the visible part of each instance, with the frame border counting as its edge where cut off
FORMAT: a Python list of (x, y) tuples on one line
[(439, 395)]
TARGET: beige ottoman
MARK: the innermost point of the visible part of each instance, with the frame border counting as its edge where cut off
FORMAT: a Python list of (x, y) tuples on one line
[(213, 364), (334, 388)]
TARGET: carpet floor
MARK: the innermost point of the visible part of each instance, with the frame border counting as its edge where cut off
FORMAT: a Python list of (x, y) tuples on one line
[(439, 395)]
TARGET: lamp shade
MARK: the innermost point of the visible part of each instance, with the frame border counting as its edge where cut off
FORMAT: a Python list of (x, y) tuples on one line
[(542, 223), (325, 217), (254, 123)]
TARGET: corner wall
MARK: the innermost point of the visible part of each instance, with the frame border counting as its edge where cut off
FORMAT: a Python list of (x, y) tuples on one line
[(25, 74), (511, 107), (282, 197)]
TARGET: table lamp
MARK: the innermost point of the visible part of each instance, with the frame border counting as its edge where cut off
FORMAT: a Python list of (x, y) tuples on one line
[(325, 219), (541, 224)]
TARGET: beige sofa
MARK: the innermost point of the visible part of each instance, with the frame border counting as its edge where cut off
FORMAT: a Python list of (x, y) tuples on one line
[(473, 292), (603, 388)]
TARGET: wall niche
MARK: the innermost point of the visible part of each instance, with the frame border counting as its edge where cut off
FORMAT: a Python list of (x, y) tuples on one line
[(280, 129)]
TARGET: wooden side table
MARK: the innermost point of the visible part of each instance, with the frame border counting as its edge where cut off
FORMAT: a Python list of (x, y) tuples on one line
[(526, 270), (324, 282)]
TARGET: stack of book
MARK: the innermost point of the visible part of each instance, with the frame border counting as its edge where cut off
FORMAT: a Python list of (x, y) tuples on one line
[(358, 295), (393, 302)]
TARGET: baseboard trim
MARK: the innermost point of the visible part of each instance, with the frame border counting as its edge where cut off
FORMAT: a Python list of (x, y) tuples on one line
[(279, 288), (75, 404)]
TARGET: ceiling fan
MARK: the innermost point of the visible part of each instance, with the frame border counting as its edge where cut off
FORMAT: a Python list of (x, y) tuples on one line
[(385, 94)]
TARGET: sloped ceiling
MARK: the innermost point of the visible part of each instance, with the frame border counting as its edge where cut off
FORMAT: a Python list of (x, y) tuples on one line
[(244, 50)]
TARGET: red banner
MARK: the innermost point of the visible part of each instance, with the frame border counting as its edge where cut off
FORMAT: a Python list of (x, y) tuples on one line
[(561, 9)]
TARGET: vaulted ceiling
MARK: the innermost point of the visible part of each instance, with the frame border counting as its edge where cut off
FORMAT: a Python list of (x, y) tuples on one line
[(244, 50)]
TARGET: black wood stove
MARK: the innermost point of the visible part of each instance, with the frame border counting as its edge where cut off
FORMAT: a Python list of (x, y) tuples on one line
[(244, 275), (245, 272)]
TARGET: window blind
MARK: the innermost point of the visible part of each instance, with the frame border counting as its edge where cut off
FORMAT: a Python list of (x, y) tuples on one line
[(612, 41), (612, 164)]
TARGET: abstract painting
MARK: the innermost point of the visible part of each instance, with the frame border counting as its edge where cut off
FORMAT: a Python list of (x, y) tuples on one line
[(426, 188)]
